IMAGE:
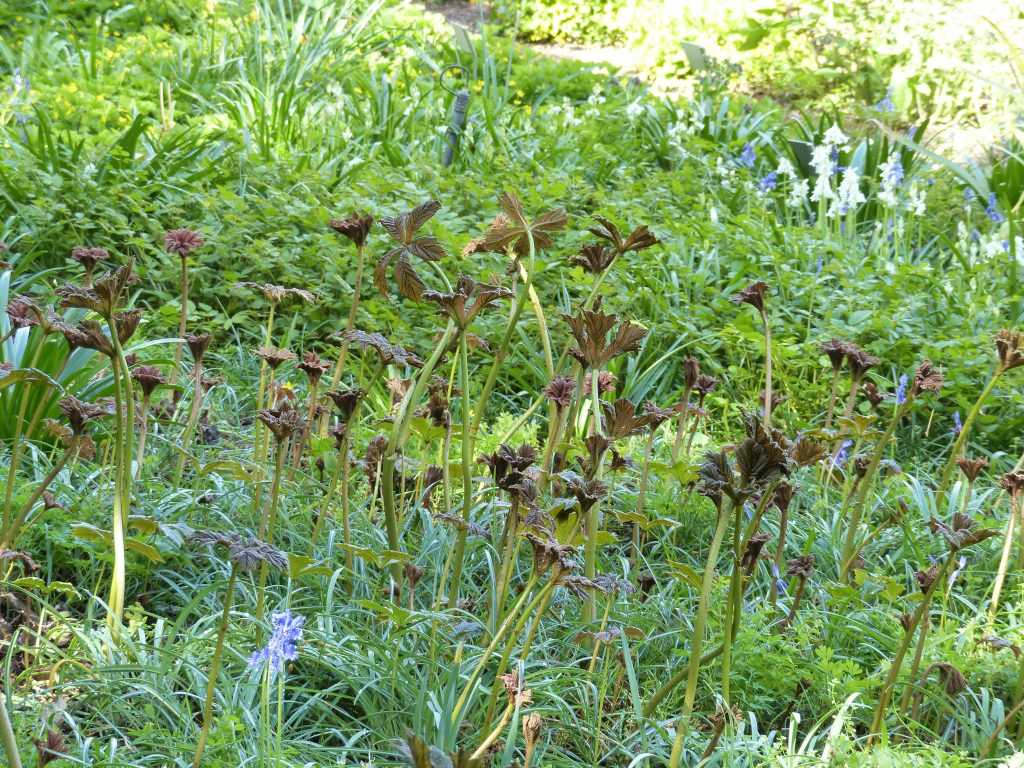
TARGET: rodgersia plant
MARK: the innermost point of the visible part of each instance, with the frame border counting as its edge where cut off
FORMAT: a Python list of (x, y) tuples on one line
[(182, 243), (105, 298)]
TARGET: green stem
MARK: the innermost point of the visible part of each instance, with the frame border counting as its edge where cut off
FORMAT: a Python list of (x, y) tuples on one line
[(188, 433), (961, 439), (593, 514), (681, 424), (268, 522), (641, 497), (897, 662), (1004, 559), (218, 653), (767, 370), (182, 324), (864, 486), (339, 365), (731, 608), (467, 475), (7, 735), (399, 434), (697, 643), (259, 446)]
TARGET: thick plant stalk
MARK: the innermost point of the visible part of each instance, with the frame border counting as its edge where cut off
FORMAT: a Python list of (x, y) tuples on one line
[(897, 662), (506, 625), (179, 350), (961, 439), (193, 420), (143, 433), (699, 627), (594, 513), (350, 323), (218, 653), (684, 413), (467, 476), (326, 504), (399, 434), (767, 369), (269, 522), (556, 429), (732, 608), (780, 556), (864, 486), (124, 400), (1004, 558), (509, 549), (260, 432), (915, 663), (641, 496), (834, 393), (7, 735), (299, 444)]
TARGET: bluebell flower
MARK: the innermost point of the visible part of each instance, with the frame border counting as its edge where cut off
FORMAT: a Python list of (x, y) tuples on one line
[(886, 104), (969, 195), (901, 390), (893, 172), (957, 424), (842, 454), (820, 265), (768, 182), (992, 210), (780, 583), (283, 644), (747, 156)]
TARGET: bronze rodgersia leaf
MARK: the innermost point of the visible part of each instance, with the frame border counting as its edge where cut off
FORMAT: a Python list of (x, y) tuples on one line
[(620, 419), (872, 393), (103, 297), (637, 240), (346, 400), (356, 227), (275, 294), (1012, 482), (80, 413), (752, 552), (951, 678), (89, 257), (275, 357), (511, 229), (402, 229), (246, 554), (926, 379), (197, 344), (586, 492), (594, 258), (455, 304), (656, 415), (753, 295), (1008, 345), (962, 532), (560, 390), (836, 351), (387, 352), (283, 422), (509, 467), (801, 567), (182, 241), (313, 366), (860, 362), (972, 468), (148, 377), (594, 348), (691, 372)]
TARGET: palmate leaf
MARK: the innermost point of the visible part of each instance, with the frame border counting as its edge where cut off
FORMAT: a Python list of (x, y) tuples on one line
[(402, 229)]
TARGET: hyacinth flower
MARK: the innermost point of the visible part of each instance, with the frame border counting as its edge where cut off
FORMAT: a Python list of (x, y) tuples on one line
[(356, 229), (148, 378), (104, 298), (244, 555), (182, 243), (282, 647), (1010, 355), (754, 295)]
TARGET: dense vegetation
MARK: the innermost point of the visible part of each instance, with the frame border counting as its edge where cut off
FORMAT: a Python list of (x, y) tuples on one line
[(653, 430)]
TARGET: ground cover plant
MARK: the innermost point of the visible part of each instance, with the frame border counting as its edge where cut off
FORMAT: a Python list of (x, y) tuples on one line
[(648, 431)]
